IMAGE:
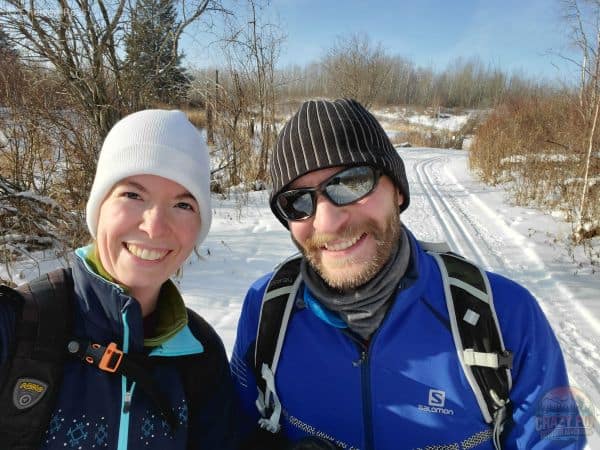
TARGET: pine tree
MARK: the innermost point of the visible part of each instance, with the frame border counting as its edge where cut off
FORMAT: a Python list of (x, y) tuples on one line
[(6, 48), (153, 63)]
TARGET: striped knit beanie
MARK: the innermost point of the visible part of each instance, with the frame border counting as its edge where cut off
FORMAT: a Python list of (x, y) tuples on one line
[(326, 134)]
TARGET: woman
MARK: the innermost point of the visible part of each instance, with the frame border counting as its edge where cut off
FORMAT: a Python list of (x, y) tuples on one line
[(148, 208)]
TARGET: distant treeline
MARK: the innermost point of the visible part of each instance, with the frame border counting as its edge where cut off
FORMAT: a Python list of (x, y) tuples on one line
[(463, 84)]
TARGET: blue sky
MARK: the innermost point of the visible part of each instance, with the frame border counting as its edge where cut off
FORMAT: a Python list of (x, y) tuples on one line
[(515, 36)]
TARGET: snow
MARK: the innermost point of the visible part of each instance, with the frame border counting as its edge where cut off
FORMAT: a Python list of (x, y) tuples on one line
[(40, 198), (541, 157), (442, 122)]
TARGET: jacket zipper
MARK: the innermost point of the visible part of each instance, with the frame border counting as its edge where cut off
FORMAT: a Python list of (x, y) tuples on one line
[(365, 380), (367, 401), (127, 401), (127, 393)]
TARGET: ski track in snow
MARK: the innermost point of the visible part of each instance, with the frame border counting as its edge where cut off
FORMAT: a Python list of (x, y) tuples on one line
[(497, 246)]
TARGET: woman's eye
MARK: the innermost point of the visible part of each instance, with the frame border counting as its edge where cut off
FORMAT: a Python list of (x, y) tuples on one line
[(132, 195), (184, 205)]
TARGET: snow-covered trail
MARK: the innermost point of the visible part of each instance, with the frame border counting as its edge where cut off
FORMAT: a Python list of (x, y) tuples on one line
[(447, 204)]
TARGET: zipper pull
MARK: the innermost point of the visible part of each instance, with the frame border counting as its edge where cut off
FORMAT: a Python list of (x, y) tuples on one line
[(127, 402), (361, 360)]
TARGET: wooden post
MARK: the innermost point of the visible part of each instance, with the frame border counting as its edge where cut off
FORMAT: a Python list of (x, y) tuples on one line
[(216, 94), (210, 136)]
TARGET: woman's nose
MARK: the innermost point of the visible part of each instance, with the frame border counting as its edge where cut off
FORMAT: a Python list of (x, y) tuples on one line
[(155, 222)]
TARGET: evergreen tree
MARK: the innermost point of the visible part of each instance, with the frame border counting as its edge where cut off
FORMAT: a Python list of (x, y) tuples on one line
[(153, 62), (6, 48)]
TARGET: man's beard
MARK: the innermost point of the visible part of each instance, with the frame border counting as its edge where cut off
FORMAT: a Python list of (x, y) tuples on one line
[(386, 239)]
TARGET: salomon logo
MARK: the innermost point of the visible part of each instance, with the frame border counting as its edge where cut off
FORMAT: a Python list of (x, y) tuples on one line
[(437, 398), (435, 403)]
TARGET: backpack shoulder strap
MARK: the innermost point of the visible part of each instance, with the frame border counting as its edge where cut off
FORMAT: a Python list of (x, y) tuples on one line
[(199, 375), (277, 304), (34, 373), (207, 382), (478, 339)]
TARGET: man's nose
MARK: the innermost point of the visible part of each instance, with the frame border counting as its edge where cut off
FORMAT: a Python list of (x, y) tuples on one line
[(328, 217)]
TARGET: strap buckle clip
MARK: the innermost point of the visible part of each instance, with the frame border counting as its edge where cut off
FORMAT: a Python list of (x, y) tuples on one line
[(107, 358), (111, 359), (505, 359)]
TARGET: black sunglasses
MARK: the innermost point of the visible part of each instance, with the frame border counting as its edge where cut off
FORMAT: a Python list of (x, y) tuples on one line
[(343, 188)]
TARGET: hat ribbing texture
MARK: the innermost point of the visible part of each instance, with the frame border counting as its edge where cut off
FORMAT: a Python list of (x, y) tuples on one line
[(326, 134), (153, 142)]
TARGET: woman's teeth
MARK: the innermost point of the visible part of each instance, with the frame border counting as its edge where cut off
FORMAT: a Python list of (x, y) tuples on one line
[(145, 254)]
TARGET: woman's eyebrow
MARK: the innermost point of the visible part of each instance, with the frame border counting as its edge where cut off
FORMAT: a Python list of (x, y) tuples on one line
[(135, 185), (185, 195)]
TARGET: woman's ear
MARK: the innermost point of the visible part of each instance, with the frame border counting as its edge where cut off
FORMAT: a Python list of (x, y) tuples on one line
[(400, 197)]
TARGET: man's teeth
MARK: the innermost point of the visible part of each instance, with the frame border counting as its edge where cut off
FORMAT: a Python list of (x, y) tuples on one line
[(342, 245), (144, 253)]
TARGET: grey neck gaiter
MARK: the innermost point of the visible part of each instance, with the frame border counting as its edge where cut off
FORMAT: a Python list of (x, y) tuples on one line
[(363, 308)]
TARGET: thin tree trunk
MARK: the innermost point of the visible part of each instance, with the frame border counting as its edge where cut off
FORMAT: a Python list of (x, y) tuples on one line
[(584, 190)]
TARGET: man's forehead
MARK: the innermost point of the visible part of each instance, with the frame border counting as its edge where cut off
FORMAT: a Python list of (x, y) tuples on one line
[(315, 177)]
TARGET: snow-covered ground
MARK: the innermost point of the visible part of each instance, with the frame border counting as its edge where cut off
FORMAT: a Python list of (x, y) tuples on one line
[(440, 121), (444, 122)]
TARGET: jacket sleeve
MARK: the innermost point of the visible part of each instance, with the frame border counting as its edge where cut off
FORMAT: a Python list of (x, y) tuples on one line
[(545, 415)]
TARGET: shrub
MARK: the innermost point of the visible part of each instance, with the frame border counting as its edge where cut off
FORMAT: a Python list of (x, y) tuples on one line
[(537, 145)]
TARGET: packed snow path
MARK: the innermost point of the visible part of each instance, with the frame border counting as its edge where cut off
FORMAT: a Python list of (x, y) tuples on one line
[(447, 204)]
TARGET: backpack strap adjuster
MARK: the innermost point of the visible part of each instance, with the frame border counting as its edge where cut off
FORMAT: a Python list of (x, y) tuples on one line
[(107, 358), (500, 360), (111, 359), (505, 359)]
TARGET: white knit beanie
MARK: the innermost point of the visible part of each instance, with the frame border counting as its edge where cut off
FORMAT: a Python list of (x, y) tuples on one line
[(153, 142)]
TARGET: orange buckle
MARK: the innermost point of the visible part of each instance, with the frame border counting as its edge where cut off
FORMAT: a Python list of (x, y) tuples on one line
[(106, 361)]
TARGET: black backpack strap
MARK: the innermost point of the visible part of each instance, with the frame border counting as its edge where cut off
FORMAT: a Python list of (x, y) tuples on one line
[(109, 358), (34, 372), (196, 381), (207, 382), (478, 339), (275, 311)]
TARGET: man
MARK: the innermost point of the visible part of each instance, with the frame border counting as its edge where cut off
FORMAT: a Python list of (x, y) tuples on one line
[(368, 359)]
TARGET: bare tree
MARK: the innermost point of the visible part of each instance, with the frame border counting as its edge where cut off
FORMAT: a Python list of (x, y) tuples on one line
[(583, 18), (247, 93), (82, 40), (265, 43), (61, 93), (357, 68)]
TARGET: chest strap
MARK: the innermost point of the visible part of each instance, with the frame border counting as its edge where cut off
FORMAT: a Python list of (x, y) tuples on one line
[(112, 360)]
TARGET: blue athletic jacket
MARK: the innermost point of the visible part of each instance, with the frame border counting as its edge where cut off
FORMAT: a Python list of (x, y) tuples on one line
[(406, 389), (97, 410)]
